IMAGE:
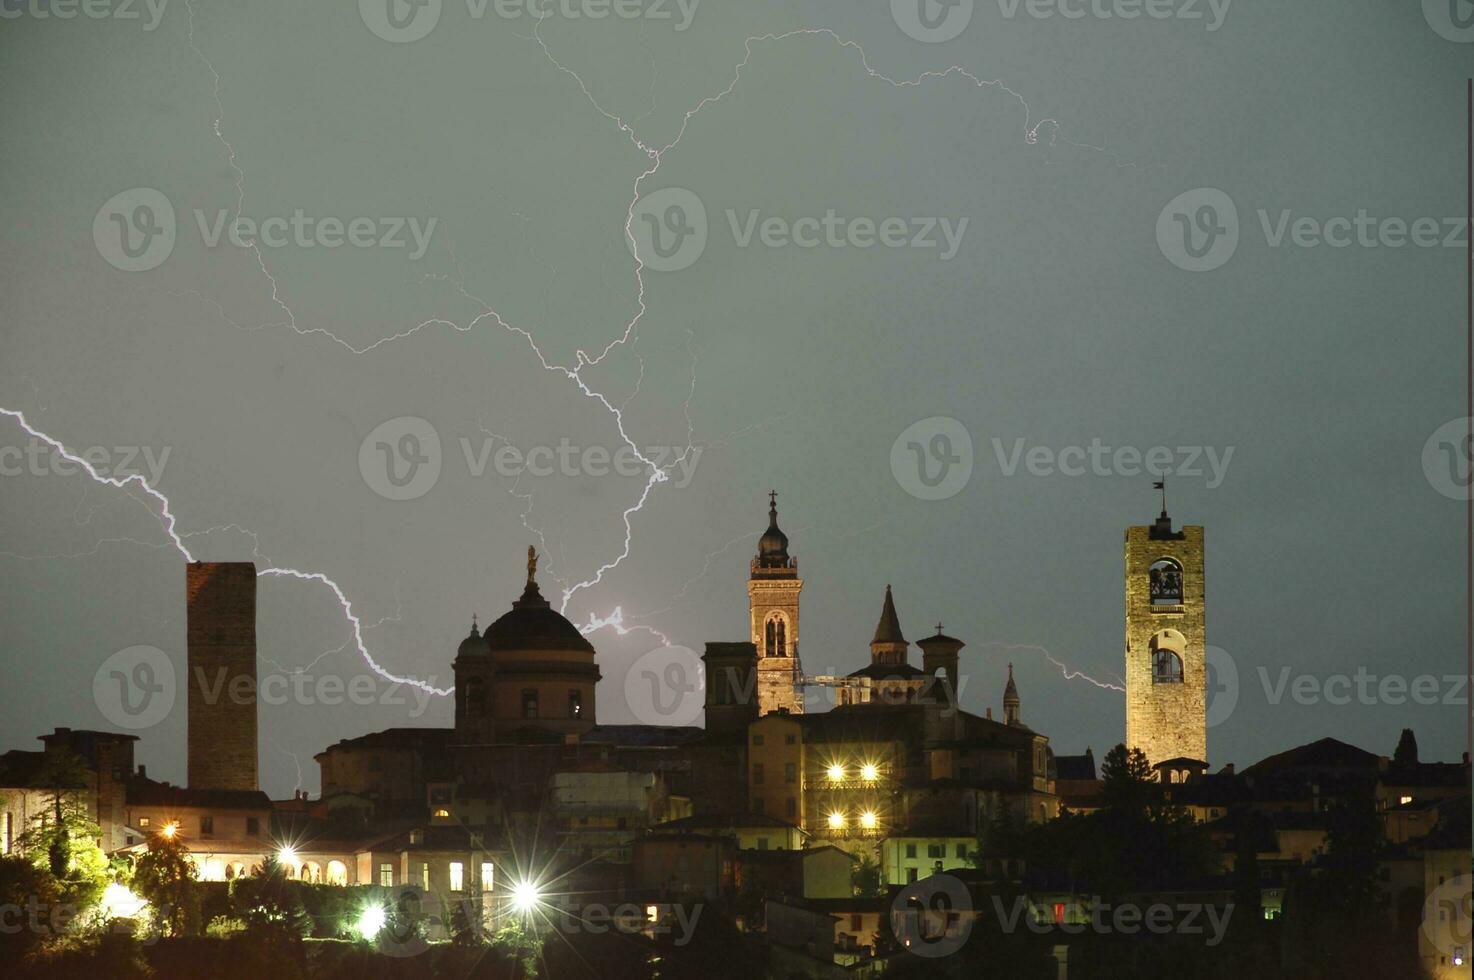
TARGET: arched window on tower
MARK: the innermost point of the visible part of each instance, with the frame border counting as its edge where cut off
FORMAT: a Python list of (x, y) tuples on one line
[(1165, 577), (1166, 653), (1166, 667), (775, 637)]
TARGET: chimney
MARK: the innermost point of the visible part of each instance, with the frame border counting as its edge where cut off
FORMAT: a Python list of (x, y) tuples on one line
[(221, 664)]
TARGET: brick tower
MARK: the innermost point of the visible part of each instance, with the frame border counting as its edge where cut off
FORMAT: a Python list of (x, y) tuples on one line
[(1166, 674), (221, 664), (772, 595)]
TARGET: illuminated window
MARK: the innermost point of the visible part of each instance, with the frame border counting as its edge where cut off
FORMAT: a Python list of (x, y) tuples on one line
[(1404, 800), (425, 876), (575, 704), (457, 876), (442, 812), (386, 875), (486, 876), (142, 821)]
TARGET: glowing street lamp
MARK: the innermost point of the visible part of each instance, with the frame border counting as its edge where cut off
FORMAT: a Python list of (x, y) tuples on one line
[(169, 830), (868, 820), (836, 772), (836, 820), (869, 772)]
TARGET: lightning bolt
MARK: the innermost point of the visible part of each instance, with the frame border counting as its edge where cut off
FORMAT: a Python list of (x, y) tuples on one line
[(1069, 673), (170, 524), (656, 473)]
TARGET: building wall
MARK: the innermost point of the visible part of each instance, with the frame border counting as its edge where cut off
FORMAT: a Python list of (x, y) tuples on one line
[(904, 859), (775, 743), (221, 664), (1165, 721)]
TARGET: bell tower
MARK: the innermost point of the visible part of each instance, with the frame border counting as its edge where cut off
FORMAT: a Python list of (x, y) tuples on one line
[(772, 597), (1166, 670)]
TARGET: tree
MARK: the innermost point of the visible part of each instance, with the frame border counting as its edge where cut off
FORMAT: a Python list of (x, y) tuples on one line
[(1407, 749), (1129, 785), (865, 878), (165, 876), (65, 838)]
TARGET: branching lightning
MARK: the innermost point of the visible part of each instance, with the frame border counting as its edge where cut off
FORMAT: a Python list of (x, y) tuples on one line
[(160, 504)]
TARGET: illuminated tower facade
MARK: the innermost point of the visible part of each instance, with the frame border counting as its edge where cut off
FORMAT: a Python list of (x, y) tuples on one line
[(1166, 670), (772, 597)]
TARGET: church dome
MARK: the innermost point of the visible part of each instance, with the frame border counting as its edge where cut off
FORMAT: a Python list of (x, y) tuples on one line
[(473, 645), (772, 547), (534, 625)]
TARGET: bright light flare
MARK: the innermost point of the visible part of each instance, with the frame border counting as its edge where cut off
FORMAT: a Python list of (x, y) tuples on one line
[(836, 772), (370, 921), (287, 855), (169, 830), (525, 896), (119, 902), (836, 821), (869, 772), (868, 820)]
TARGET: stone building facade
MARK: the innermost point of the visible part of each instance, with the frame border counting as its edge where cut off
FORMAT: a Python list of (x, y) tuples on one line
[(221, 668)]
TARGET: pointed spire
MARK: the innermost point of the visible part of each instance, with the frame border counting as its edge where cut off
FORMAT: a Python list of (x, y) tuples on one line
[(888, 630), (1010, 693)]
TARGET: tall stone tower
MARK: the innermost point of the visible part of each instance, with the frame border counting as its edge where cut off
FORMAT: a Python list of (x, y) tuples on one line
[(772, 598), (221, 662), (1166, 673)]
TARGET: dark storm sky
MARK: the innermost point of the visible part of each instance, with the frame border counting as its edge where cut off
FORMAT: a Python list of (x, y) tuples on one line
[(1319, 372)]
